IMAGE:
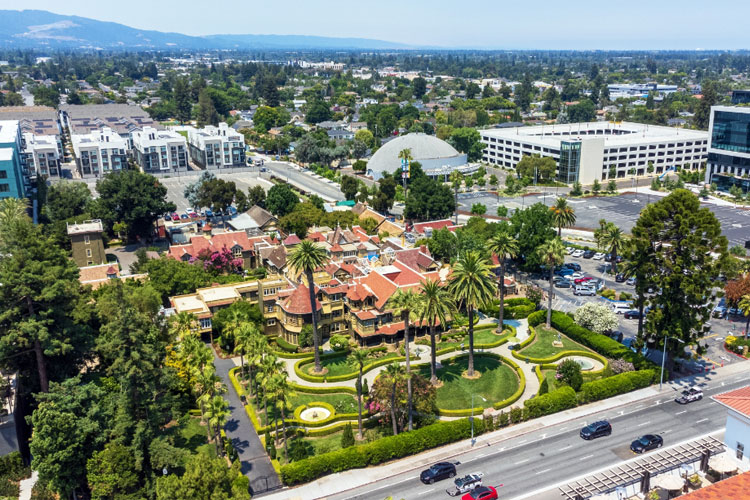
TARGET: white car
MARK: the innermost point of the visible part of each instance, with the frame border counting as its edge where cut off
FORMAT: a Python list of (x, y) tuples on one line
[(569, 250), (621, 308), (576, 275), (598, 256), (577, 253)]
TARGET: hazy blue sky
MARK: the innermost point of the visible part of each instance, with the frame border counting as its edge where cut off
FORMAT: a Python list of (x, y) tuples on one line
[(536, 24)]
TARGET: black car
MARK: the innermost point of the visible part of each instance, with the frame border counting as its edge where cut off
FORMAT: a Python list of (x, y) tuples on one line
[(620, 278), (617, 335), (596, 429), (588, 254), (632, 314), (646, 443), (575, 266), (438, 472), (562, 284)]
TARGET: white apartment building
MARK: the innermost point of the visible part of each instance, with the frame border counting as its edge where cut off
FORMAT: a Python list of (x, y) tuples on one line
[(158, 151), (216, 147), (598, 150), (100, 152), (41, 155)]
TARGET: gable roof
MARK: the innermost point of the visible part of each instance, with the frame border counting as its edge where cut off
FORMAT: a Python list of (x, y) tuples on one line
[(260, 215), (737, 400), (420, 227), (416, 258), (213, 243), (275, 255)]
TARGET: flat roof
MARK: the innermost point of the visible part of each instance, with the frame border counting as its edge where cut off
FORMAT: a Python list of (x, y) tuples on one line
[(218, 293), (6, 154), (614, 134), (89, 226), (8, 131), (189, 303)]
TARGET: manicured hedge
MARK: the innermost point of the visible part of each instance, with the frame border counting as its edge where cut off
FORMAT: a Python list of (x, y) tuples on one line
[(347, 376), (286, 346), (367, 423), (515, 308), (552, 402), (559, 355), (616, 384), (323, 390), (377, 452)]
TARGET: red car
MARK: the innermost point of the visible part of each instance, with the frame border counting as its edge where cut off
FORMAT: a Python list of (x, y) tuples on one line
[(176, 217), (578, 281), (481, 493), (193, 215)]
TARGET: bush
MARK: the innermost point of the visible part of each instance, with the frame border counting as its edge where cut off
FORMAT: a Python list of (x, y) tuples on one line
[(285, 346), (616, 384), (41, 492), (306, 336), (339, 342), (516, 414), (625, 296), (552, 402), (608, 293), (543, 387), (537, 318), (347, 437), (13, 468), (569, 372), (379, 451), (503, 419)]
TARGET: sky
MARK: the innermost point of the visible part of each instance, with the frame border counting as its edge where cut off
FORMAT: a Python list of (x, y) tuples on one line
[(498, 24)]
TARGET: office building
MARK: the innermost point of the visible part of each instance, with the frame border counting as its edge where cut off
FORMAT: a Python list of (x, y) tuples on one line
[(99, 152), (729, 147), (585, 152), (86, 242), (160, 151), (41, 155), (11, 161), (216, 147), (741, 97)]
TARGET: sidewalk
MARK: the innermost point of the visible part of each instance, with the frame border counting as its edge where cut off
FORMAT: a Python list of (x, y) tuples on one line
[(240, 431), (344, 481)]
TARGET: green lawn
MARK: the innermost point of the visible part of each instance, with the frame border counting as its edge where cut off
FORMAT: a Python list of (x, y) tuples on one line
[(338, 365), (498, 382), (487, 336), (189, 434), (542, 346), (343, 403)]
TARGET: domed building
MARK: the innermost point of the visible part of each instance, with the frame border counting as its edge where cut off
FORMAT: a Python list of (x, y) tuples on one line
[(437, 157)]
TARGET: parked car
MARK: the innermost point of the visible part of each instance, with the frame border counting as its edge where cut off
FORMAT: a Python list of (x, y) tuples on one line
[(630, 281), (596, 429), (569, 250), (596, 283), (465, 484), (588, 254), (721, 309), (575, 266), (193, 215), (616, 335), (584, 290), (608, 257), (632, 314), (576, 275), (690, 395), (577, 253), (481, 493), (582, 279), (621, 308), (167, 217), (209, 213), (175, 217), (562, 284), (565, 271), (232, 211), (620, 278), (438, 472), (646, 443), (598, 256)]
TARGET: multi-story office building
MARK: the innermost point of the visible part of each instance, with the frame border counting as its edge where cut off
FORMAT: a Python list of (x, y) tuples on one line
[(729, 147), (158, 151), (585, 152), (11, 161), (41, 155), (216, 147), (100, 152)]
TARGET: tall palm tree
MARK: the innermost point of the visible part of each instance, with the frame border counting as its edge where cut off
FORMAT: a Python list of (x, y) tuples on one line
[(258, 349), (435, 304), (744, 306), (505, 247), (244, 338), (183, 324), (563, 215), (358, 358), (552, 254), (282, 393), (404, 303), (269, 366), (307, 257), (217, 412), (456, 179), (471, 283), (613, 240), (394, 373), (205, 385), (405, 154)]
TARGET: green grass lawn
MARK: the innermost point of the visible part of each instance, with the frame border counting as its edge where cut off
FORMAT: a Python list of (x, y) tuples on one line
[(338, 365), (343, 403), (498, 382), (487, 336), (542, 346), (190, 435)]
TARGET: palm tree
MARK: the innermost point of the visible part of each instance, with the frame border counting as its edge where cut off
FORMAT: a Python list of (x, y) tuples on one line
[(405, 154), (404, 303), (269, 366), (183, 324), (205, 385), (307, 257), (217, 412), (282, 392), (471, 283), (258, 349), (435, 305), (562, 215), (552, 254), (505, 247), (613, 241), (244, 338), (394, 373), (456, 179), (358, 358), (744, 306)]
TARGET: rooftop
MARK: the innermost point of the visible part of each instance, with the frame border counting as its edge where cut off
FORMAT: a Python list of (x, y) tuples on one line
[(737, 400), (8, 131), (733, 488), (89, 226)]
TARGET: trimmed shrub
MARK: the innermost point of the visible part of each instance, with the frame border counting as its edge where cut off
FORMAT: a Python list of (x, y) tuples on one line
[(516, 414), (537, 317), (347, 437), (569, 372), (616, 384), (552, 402), (379, 451), (286, 346), (503, 419), (543, 387), (13, 468)]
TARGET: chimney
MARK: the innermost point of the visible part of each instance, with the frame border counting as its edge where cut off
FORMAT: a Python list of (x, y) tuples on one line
[(423, 249)]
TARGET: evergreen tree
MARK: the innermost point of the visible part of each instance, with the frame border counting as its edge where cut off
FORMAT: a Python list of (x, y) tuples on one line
[(182, 101), (206, 114), (347, 437)]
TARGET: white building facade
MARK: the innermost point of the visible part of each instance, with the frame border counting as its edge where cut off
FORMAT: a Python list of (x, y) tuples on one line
[(585, 152), (41, 155), (737, 432), (160, 151), (216, 147), (100, 153)]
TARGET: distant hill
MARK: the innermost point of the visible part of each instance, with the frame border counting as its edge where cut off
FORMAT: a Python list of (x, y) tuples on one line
[(41, 29)]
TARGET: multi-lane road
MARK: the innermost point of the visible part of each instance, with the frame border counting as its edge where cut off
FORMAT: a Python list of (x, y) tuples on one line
[(533, 465)]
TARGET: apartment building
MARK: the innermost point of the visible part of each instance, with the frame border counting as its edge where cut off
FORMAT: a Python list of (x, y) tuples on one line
[(123, 119), (41, 138), (585, 152), (160, 151), (99, 152), (12, 179), (729, 148), (216, 147), (41, 155)]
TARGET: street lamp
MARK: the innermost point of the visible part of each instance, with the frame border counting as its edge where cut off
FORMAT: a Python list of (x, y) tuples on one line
[(664, 357), (472, 417)]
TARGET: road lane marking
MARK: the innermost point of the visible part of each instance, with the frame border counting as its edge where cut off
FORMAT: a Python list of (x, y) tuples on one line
[(680, 412), (522, 461), (702, 420), (543, 471), (585, 458), (566, 447), (646, 423)]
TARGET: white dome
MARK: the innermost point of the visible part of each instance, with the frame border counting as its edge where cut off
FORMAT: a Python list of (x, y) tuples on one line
[(428, 150)]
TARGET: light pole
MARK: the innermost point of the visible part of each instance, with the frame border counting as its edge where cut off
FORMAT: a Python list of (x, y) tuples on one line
[(664, 357), (472, 417)]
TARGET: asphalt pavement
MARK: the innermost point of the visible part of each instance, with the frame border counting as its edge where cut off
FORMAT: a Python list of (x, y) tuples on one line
[(306, 180)]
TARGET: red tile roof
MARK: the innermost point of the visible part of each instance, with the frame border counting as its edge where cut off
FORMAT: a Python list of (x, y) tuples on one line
[(336, 248), (435, 225), (416, 258), (213, 243), (316, 236), (292, 239), (738, 400), (364, 315), (381, 287), (734, 488), (299, 301)]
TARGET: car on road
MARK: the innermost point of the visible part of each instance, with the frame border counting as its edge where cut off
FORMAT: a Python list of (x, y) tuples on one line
[(481, 493), (584, 290), (646, 443), (620, 278), (596, 429), (630, 281), (598, 256), (588, 254), (577, 253), (632, 314), (465, 484), (690, 395), (562, 284), (575, 266), (582, 279), (438, 472)]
